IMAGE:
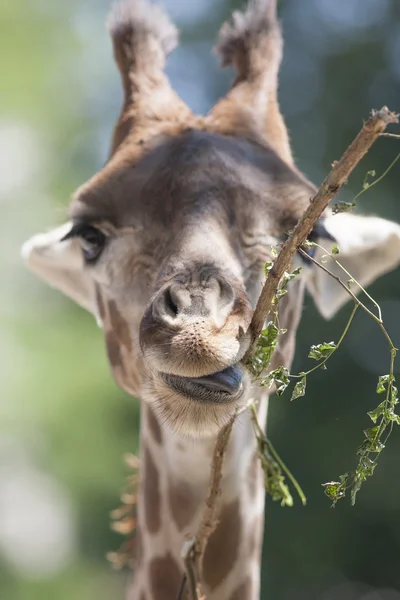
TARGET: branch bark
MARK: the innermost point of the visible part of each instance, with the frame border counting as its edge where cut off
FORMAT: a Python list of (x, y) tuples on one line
[(372, 129), (193, 553)]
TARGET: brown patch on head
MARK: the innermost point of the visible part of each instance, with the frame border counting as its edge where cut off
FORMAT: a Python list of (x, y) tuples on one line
[(154, 425), (100, 304), (151, 493), (165, 578), (119, 326), (244, 591), (183, 503), (127, 380), (113, 350), (222, 549)]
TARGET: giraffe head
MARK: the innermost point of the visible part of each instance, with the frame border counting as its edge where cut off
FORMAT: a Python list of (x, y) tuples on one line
[(166, 244)]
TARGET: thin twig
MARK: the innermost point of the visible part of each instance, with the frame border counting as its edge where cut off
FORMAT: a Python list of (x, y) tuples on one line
[(390, 385), (260, 435), (344, 333), (371, 130), (370, 185), (351, 279), (182, 588), (391, 135), (209, 520), (196, 548), (189, 577)]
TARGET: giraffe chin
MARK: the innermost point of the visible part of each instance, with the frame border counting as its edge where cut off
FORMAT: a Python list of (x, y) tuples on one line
[(197, 407), (221, 387)]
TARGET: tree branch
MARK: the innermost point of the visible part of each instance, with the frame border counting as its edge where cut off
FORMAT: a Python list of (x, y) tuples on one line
[(371, 130), (193, 551)]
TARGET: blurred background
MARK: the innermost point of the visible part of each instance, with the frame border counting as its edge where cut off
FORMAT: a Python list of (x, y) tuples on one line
[(64, 426)]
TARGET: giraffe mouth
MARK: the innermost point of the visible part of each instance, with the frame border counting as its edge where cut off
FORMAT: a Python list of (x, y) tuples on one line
[(221, 387)]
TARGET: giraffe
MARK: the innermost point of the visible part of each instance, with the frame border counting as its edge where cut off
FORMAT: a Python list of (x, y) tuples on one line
[(165, 246)]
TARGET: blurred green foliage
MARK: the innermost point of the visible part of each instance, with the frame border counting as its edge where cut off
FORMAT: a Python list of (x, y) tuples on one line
[(59, 98)]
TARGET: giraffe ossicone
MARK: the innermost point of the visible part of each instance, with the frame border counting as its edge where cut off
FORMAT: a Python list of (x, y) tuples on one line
[(165, 246)]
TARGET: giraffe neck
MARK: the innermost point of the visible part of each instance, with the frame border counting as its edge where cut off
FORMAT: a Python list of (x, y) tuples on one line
[(173, 486)]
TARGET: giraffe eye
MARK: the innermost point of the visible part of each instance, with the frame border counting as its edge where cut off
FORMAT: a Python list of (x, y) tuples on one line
[(92, 241), (91, 238)]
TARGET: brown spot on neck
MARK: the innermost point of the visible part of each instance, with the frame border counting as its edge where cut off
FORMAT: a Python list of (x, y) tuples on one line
[(154, 425), (223, 546), (151, 493), (119, 326), (244, 591), (183, 503), (165, 578)]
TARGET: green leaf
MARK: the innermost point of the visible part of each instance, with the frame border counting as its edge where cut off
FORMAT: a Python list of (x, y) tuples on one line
[(299, 389), (372, 442), (335, 250), (395, 418), (280, 293), (331, 489), (371, 433), (377, 412), (282, 290), (268, 335), (366, 184), (280, 377), (268, 266), (383, 380), (335, 490), (342, 207), (394, 394), (296, 272), (321, 351)]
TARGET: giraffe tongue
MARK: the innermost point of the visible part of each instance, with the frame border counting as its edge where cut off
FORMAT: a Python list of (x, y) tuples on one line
[(229, 380)]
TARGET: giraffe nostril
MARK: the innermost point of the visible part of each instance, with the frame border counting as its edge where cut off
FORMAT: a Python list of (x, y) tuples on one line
[(170, 304)]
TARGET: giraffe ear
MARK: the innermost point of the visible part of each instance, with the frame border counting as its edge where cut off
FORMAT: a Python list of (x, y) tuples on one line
[(60, 263), (368, 248)]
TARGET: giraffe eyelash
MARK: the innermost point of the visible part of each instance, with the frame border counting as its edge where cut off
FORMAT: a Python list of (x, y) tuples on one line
[(92, 239)]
